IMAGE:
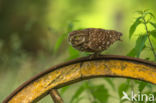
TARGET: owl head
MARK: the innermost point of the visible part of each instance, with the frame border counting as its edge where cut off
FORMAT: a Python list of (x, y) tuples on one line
[(77, 38)]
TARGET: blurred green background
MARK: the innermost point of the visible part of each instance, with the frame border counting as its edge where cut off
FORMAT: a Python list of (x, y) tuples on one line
[(33, 36)]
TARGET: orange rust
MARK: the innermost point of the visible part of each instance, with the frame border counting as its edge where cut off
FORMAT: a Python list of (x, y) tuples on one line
[(74, 72)]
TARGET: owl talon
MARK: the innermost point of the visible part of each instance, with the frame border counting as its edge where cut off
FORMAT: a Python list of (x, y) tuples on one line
[(95, 55)]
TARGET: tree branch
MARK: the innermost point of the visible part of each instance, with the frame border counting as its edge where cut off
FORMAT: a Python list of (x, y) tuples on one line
[(56, 96)]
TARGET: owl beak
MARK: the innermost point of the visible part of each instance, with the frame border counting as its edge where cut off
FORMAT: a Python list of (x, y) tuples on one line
[(120, 34)]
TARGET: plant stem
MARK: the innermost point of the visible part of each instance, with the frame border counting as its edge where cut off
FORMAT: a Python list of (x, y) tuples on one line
[(132, 87), (149, 38)]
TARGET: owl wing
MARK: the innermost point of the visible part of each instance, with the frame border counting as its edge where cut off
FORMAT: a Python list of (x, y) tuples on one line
[(98, 40)]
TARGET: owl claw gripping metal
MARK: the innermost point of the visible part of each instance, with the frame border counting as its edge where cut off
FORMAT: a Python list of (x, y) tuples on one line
[(93, 40)]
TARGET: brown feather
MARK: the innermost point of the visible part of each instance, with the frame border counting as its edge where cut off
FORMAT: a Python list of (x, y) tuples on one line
[(96, 40)]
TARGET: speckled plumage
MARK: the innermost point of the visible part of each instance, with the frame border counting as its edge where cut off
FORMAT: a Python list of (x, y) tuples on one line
[(93, 39)]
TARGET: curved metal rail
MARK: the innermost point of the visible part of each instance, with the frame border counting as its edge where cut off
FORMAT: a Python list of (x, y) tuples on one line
[(83, 68)]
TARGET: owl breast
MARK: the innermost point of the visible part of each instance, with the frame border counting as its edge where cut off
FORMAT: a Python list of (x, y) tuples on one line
[(96, 40)]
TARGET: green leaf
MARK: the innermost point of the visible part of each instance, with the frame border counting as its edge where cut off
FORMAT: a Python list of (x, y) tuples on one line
[(78, 99), (73, 53), (142, 85), (134, 26), (77, 93), (64, 89), (59, 42), (123, 87), (149, 13), (110, 82), (154, 93), (100, 93), (153, 33), (139, 45), (132, 53), (153, 24)]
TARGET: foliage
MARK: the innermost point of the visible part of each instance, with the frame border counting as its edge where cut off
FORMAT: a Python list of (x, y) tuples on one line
[(133, 27), (27, 45), (99, 93), (145, 18), (139, 46)]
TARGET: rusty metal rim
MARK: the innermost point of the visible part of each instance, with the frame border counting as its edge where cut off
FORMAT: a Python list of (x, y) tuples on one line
[(82, 59)]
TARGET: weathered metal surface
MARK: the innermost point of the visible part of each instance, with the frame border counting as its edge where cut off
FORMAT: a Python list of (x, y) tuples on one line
[(80, 69)]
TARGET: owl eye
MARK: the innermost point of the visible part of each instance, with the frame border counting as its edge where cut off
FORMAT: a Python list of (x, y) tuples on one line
[(77, 38)]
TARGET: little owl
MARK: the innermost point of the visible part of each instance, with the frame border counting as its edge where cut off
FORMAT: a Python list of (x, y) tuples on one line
[(93, 39)]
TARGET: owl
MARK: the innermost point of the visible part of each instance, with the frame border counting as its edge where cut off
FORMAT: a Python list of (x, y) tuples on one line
[(93, 40)]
